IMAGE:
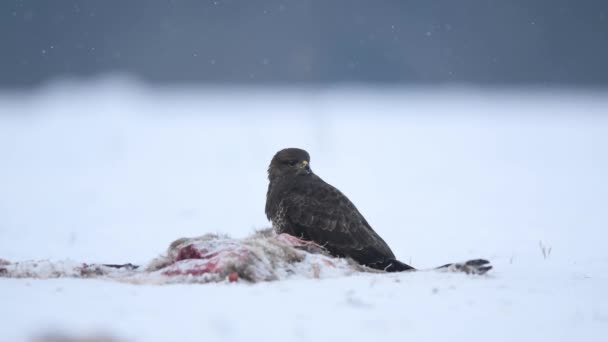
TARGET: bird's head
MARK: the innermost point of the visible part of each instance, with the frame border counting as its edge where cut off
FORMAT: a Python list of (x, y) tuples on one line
[(289, 162)]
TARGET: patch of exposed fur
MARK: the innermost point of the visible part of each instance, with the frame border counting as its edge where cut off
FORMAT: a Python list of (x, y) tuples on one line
[(263, 256), (474, 266)]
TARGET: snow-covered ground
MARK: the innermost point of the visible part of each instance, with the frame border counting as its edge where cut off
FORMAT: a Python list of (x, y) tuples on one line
[(112, 171)]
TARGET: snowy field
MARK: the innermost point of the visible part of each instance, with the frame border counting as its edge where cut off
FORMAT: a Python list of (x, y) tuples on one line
[(112, 172)]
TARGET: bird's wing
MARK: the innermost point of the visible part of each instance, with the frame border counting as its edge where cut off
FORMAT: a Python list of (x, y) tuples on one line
[(323, 214)]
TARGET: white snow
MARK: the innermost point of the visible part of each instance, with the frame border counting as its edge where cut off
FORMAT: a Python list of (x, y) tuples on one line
[(112, 172)]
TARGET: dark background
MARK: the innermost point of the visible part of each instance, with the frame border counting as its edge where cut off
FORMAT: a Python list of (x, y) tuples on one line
[(514, 42)]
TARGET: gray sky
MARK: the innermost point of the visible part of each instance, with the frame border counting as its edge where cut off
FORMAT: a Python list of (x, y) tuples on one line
[(541, 42)]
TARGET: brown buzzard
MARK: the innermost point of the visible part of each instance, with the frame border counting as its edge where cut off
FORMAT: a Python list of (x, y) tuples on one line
[(301, 204)]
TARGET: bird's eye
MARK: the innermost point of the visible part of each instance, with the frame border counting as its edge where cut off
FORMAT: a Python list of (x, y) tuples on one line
[(292, 162)]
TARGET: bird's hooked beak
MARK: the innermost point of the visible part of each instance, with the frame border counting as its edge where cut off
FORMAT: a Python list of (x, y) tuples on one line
[(303, 167)]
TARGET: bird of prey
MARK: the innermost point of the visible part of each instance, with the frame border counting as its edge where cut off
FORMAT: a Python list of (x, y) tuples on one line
[(300, 203)]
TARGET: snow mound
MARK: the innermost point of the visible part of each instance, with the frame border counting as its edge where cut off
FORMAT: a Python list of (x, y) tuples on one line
[(264, 256)]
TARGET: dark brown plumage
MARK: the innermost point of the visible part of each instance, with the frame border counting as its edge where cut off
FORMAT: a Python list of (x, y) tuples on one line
[(300, 203)]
